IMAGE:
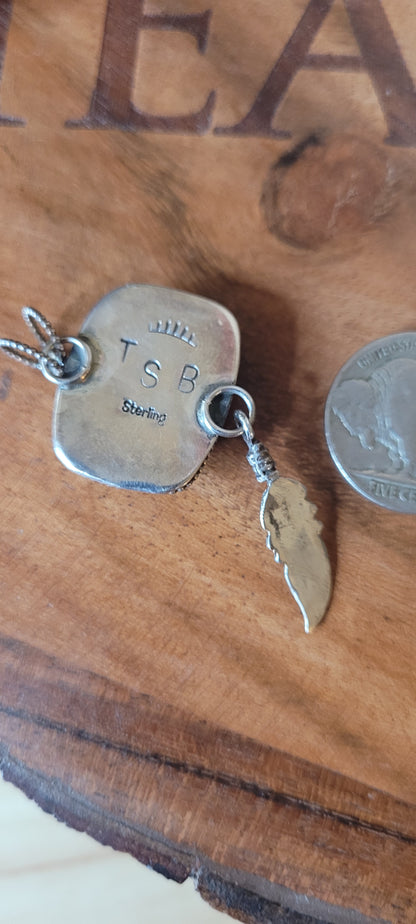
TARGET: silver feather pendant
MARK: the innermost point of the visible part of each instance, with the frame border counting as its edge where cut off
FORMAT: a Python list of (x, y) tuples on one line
[(293, 535), (293, 532)]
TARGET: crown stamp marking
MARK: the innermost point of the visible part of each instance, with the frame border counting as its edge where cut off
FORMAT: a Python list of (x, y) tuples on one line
[(174, 329)]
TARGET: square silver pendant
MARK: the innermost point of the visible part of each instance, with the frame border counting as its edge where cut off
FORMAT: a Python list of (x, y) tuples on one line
[(133, 422)]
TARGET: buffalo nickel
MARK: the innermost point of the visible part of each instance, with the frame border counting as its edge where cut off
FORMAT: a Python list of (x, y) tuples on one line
[(370, 422)]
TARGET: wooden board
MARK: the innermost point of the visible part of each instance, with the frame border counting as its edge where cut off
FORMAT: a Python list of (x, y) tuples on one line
[(156, 687)]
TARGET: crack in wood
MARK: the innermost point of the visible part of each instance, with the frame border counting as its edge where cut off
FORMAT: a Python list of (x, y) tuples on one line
[(78, 811), (201, 772), (225, 894)]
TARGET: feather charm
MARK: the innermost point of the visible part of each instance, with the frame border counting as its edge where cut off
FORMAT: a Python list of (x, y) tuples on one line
[(293, 533)]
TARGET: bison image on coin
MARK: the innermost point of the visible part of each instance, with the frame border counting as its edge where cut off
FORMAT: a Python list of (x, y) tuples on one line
[(370, 422)]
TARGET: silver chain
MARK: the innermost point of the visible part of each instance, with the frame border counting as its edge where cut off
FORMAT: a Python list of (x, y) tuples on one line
[(52, 346), (64, 361)]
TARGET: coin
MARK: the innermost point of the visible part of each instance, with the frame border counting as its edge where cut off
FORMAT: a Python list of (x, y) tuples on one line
[(370, 422)]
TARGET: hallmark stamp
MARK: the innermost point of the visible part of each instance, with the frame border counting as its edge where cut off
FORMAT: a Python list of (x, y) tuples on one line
[(174, 329), (132, 407)]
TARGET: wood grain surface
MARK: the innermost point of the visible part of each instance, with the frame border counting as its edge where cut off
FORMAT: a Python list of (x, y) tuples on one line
[(156, 686)]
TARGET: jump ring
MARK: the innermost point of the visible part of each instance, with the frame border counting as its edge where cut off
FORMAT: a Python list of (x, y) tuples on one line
[(80, 369), (204, 412), (245, 424)]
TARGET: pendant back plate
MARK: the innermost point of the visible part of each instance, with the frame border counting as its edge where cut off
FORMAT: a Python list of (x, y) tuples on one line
[(133, 423)]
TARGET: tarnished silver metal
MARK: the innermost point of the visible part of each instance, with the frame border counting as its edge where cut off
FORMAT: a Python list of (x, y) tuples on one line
[(51, 356), (258, 456), (246, 426), (131, 384), (76, 366), (62, 360), (214, 397), (370, 422), (133, 423), (143, 393), (293, 533)]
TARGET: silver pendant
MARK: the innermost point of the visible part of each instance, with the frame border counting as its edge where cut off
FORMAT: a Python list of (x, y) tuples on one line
[(144, 392), (133, 422), (370, 422)]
